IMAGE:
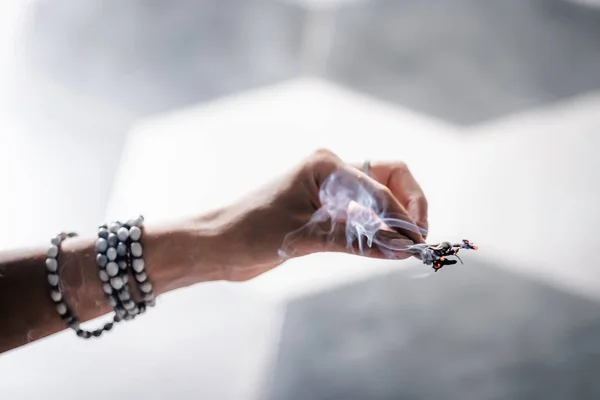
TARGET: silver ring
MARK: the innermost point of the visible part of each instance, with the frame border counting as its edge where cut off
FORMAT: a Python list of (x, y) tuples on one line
[(366, 168)]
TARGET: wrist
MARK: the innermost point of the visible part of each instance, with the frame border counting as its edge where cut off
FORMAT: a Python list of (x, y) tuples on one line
[(186, 252)]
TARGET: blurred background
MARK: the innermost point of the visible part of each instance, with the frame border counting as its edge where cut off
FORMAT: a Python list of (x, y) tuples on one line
[(112, 107)]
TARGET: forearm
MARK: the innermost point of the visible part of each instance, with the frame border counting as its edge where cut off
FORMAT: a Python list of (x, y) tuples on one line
[(176, 255)]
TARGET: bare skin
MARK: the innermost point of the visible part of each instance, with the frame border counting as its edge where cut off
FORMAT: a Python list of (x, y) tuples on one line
[(235, 243)]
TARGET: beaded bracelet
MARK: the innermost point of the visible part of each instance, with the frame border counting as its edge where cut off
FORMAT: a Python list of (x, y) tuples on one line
[(56, 294), (118, 251), (120, 283), (112, 272), (123, 253), (137, 263)]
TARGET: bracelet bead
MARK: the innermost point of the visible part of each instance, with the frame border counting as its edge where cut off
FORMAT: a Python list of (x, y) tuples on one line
[(56, 295), (141, 277), (136, 249), (73, 324), (123, 296), (146, 287), (112, 301), (135, 233), (136, 222), (129, 304), (52, 264), (53, 279), (113, 227), (84, 334), (116, 283), (149, 297), (101, 260), (101, 245), (61, 308), (107, 288), (123, 234), (121, 249), (103, 233), (104, 277), (111, 254), (112, 268), (52, 251), (112, 240), (138, 265)]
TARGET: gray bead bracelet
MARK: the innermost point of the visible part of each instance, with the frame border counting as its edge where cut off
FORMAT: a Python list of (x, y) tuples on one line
[(123, 253), (56, 294), (111, 258), (131, 308), (138, 266)]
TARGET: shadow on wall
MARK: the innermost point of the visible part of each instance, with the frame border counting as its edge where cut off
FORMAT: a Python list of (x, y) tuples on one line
[(467, 61), (152, 56), (464, 61), (474, 332)]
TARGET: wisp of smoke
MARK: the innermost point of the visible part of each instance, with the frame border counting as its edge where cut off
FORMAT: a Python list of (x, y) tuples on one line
[(348, 205)]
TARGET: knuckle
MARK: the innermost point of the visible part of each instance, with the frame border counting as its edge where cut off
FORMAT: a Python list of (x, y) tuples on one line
[(325, 158), (320, 164), (323, 153), (401, 166)]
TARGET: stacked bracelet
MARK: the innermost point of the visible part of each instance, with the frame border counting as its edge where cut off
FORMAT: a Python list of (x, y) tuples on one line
[(112, 275), (138, 266), (120, 283), (56, 294), (118, 253)]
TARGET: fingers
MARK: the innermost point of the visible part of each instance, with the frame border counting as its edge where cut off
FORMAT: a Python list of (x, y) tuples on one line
[(406, 189), (403, 223), (393, 245), (398, 178), (395, 191)]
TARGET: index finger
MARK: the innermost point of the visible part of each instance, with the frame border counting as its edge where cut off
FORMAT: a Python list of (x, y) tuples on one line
[(399, 218), (403, 185)]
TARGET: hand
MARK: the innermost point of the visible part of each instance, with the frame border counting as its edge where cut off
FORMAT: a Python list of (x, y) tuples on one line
[(284, 215)]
